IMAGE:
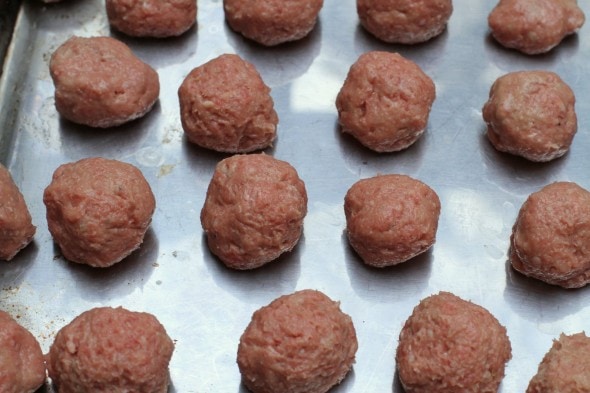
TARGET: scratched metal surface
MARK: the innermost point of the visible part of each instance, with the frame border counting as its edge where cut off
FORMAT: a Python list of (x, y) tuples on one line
[(203, 305)]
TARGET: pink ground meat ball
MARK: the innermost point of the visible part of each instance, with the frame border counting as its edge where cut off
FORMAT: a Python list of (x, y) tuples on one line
[(531, 114), (385, 101), (452, 345), (22, 367), (565, 368), (152, 18), (226, 106), (534, 26), (551, 236), (272, 22), (404, 21), (99, 82), (254, 210), (98, 210), (391, 218), (299, 343), (16, 226), (111, 350)]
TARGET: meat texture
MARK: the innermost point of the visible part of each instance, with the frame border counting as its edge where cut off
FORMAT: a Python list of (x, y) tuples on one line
[(272, 22), (111, 350), (16, 225), (550, 239), (531, 114), (226, 106), (565, 368), (385, 101), (391, 218), (254, 210), (404, 21), (99, 82), (534, 26), (152, 18), (22, 367), (98, 210), (299, 343), (452, 345)]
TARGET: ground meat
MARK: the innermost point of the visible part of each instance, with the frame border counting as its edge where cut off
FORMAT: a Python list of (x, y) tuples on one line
[(22, 367), (451, 345), (254, 210), (391, 218), (404, 21), (226, 106), (99, 82), (152, 18), (272, 22), (565, 368), (16, 226), (531, 114), (385, 101), (111, 350), (551, 236), (534, 26), (299, 343), (98, 210)]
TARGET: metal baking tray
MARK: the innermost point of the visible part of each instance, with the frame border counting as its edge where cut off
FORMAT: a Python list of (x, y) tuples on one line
[(204, 306)]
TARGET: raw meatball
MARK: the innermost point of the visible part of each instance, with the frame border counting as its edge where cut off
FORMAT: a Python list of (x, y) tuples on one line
[(98, 210), (404, 21), (452, 345), (565, 368), (534, 26), (299, 343), (272, 22), (391, 218), (111, 350), (22, 367), (152, 18), (385, 101), (99, 82), (16, 226), (551, 236), (254, 210), (531, 114), (225, 106)]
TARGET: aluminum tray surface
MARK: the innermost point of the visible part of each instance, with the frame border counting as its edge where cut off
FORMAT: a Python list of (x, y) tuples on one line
[(204, 306)]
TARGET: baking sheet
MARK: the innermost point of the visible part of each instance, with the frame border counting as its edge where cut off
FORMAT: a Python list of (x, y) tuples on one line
[(204, 306)]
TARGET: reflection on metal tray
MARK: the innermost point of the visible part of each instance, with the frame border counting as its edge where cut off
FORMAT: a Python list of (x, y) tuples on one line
[(204, 306), (7, 20)]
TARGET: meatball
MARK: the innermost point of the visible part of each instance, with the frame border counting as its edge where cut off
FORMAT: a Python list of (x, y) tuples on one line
[(550, 239), (111, 350), (451, 345), (99, 82), (565, 368), (405, 21), (272, 22), (531, 114), (98, 210), (299, 343), (391, 218), (225, 106), (152, 18), (534, 26), (385, 101), (16, 226), (22, 367), (254, 210)]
